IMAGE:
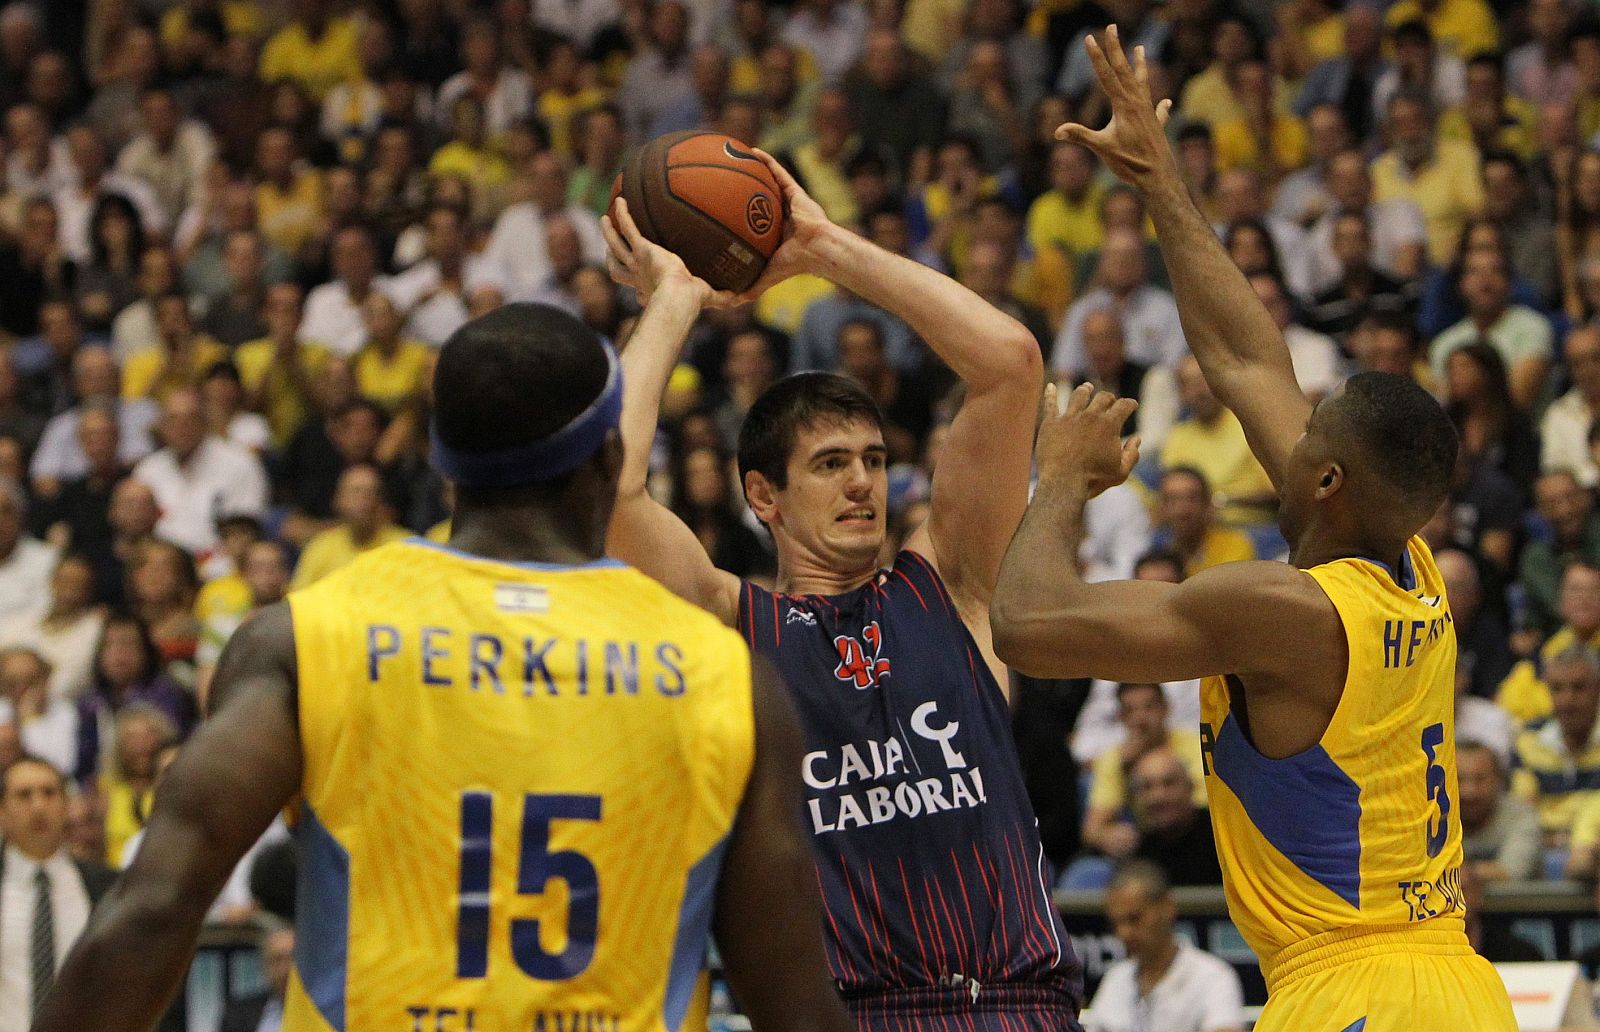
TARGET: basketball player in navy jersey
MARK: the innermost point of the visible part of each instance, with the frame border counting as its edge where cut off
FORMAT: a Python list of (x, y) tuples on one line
[(937, 906)]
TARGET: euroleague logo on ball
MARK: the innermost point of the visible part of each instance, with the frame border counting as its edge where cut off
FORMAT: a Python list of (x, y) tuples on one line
[(758, 213)]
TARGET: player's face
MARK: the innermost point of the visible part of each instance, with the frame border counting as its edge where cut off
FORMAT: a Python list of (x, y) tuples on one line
[(836, 503)]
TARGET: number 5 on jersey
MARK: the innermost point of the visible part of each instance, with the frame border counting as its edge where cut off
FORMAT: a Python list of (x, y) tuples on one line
[(536, 867)]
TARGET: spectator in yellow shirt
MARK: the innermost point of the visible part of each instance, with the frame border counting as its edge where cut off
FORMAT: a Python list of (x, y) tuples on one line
[(389, 368), (365, 523), (566, 95), (1211, 441), (1441, 177), (1066, 217), (315, 49), (288, 197), (1262, 138), (469, 157), (180, 358), (1188, 524), (1490, 119), (278, 371), (1466, 27), (820, 162), (1524, 693)]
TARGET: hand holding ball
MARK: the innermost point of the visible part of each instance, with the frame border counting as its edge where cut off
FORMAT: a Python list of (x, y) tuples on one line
[(708, 200)]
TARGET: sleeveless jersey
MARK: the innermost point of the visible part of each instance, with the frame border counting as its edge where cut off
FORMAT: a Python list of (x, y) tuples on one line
[(519, 780), (926, 846), (1361, 829)]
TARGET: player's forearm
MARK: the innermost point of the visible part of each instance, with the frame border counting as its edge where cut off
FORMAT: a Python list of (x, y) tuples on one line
[(981, 344), (647, 364), (123, 972), (1039, 582), (1224, 323)]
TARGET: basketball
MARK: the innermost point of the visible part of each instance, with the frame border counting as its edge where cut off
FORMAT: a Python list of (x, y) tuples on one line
[(708, 200)]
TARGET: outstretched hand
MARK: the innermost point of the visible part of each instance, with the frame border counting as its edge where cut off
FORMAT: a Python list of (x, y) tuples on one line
[(1134, 143), (635, 261), (1085, 443)]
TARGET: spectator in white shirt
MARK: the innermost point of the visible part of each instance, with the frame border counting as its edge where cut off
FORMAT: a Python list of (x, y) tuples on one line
[(47, 723), (1165, 983), (25, 563), (506, 93), (1399, 234), (66, 630), (1150, 326), (1315, 356), (516, 246), (171, 155), (1107, 366), (1564, 432), (96, 381), (36, 870), (37, 164), (1116, 534), (1242, 197), (433, 293), (834, 31), (75, 205), (333, 310), (197, 479)]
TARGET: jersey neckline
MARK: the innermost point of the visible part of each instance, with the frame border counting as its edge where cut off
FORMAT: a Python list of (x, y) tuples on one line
[(603, 563)]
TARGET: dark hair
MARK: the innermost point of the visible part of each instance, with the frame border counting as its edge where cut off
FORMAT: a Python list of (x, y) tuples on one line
[(360, 404), (1414, 31), (222, 370), (1404, 434), (30, 760), (1505, 157), (512, 377), (115, 204), (1393, 322), (1194, 131), (149, 654), (1488, 59), (1160, 555), (1126, 687), (1274, 262), (791, 405), (1191, 472), (1483, 355)]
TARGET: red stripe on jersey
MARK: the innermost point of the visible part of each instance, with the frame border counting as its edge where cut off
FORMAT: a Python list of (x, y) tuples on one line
[(912, 586), (911, 908)]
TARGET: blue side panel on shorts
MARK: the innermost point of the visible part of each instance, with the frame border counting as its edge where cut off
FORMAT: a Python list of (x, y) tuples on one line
[(1305, 805), (322, 940), (1355, 1026)]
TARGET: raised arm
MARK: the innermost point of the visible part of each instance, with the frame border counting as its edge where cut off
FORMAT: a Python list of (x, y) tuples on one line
[(1255, 618), (239, 770), (768, 924), (981, 486), (1227, 327), (644, 533)]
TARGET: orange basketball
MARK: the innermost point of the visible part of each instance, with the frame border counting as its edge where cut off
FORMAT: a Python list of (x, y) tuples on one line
[(708, 200)]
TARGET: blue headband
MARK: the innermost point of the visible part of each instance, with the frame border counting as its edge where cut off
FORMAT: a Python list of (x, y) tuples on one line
[(544, 459)]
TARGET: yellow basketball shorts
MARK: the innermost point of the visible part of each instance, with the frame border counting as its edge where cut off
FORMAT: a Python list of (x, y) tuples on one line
[(1400, 991)]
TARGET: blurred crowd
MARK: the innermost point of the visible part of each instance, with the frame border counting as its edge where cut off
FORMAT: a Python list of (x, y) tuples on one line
[(233, 234)]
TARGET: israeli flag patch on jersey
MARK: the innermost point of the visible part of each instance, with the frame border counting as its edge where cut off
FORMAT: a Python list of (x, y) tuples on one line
[(532, 599)]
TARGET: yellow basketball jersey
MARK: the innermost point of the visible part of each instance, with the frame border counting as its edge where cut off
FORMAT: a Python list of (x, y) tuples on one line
[(1360, 831), (519, 780)]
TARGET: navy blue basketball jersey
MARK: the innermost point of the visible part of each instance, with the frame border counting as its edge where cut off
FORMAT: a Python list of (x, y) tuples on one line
[(927, 849)]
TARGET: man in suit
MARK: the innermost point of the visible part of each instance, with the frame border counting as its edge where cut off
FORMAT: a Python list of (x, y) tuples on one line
[(45, 895), (263, 1012)]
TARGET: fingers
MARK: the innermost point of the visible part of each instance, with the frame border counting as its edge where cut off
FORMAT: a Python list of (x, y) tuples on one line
[(1078, 401), (1164, 111), (1123, 408), (1130, 456), (1141, 70), (1116, 56), (786, 182), (624, 220)]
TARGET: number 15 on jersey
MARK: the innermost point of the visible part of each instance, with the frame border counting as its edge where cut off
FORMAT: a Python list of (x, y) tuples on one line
[(536, 867)]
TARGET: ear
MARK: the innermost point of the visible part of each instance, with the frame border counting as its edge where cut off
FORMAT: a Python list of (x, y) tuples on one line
[(1329, 481), (762, 498)]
